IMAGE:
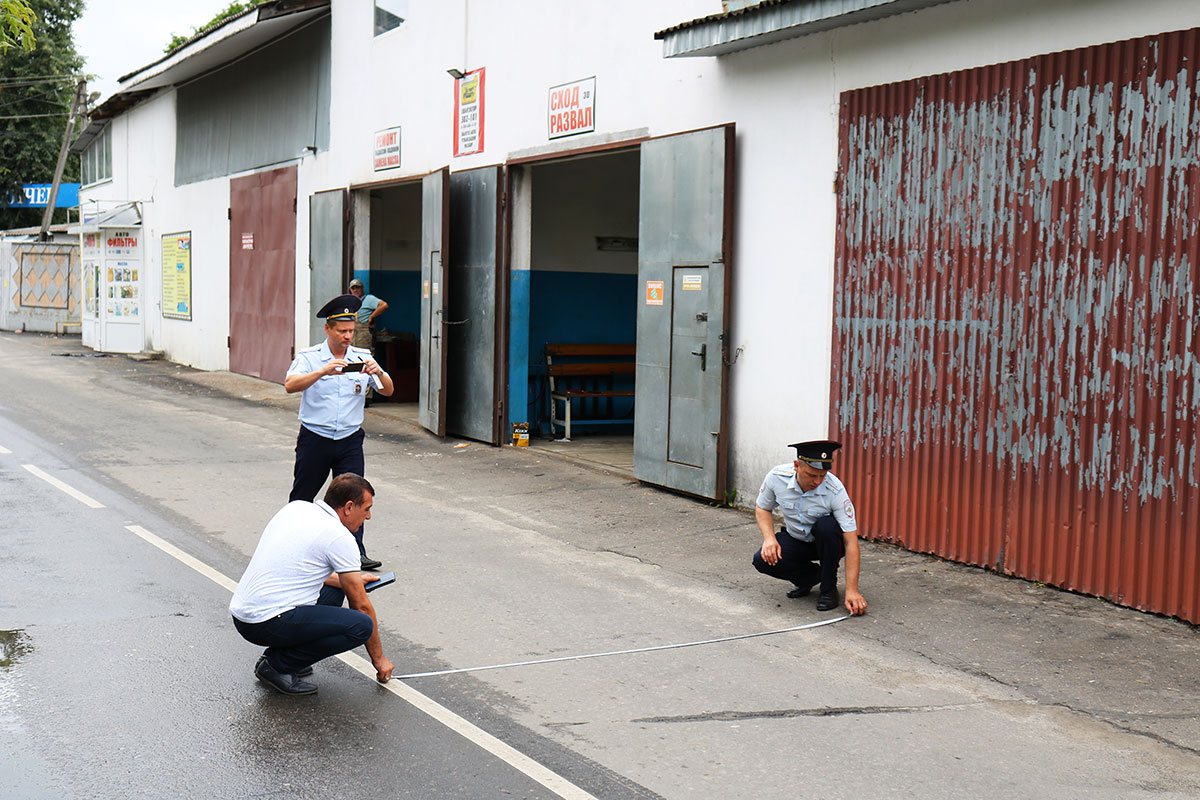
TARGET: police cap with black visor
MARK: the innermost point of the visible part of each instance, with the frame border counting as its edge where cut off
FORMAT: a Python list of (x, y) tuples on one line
[(342, 307), (818, 455)]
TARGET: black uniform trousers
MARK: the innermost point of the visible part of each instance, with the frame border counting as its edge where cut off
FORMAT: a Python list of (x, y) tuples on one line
[(317, 458), (808, 563)]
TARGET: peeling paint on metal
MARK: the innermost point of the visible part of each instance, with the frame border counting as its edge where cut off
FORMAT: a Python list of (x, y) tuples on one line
[(1016, 319)]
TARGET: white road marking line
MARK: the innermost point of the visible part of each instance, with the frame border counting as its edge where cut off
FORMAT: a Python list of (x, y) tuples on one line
[(4, 451), (56, 483), (514, 758), (176, 553)]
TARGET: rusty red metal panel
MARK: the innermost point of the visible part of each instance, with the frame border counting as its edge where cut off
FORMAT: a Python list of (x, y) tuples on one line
[(1015, 325), (262, 273)]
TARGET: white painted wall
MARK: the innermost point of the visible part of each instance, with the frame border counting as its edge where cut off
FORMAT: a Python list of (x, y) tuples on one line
[(400, 78), (783, 98), (396, 228), (576, 201), (143, 172)]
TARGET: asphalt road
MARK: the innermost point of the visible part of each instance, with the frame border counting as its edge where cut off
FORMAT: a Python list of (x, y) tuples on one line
[(121, 674)]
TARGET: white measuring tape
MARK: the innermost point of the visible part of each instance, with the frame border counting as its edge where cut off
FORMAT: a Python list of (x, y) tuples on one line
[(619, 652)]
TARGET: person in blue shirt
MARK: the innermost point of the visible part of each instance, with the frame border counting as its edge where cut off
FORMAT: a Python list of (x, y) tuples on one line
[(372, 307), (334, 390), (819, 527)]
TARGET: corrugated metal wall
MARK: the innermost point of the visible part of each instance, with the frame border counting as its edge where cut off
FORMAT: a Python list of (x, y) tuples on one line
[(263, 109), (1015, 346)]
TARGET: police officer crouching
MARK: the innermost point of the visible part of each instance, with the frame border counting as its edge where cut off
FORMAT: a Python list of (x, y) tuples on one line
[(819, 528), (334, 378)]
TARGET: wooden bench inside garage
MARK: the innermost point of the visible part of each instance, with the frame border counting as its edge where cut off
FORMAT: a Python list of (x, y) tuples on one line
[(586, 373)]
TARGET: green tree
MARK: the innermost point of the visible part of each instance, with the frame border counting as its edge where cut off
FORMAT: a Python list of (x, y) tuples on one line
[(16, 25), (232, 10), (36, 89)]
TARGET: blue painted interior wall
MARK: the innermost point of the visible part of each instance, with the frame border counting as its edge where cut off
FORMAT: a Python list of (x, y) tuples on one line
[(577, 308), (401, 290), (578, 291)]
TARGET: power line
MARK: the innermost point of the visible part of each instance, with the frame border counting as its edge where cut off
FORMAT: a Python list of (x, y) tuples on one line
[(35, 116), (40, 77), (41, 98), (17, 83)]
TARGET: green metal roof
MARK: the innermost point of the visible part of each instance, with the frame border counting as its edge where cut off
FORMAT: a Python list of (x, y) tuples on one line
[(774, 21)]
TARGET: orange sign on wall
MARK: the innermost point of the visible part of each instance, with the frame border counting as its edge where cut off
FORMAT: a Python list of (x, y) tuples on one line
[(654, 293)]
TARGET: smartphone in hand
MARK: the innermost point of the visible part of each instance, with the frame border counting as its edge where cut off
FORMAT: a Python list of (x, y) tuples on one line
[(384, 580)]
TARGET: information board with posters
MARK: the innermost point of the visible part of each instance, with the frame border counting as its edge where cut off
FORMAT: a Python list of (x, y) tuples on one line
[(571, 108), (124, 295), (122, 282), (91, 275), (177, 275), (468, 113)]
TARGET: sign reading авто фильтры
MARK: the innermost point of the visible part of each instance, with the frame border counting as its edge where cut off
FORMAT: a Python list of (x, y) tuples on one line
[(177, 275)]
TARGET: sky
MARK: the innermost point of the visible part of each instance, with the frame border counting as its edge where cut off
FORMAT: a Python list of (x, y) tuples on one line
[(116, 37)]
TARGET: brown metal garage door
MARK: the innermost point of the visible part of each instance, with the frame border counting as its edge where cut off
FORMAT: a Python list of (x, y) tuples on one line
[(1016, 317), (262, 273)]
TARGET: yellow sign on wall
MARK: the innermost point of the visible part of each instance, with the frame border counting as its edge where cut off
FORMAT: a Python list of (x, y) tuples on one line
[(177, 275)]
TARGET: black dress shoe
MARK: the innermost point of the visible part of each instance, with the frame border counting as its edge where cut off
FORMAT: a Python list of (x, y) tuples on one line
[(799, 591), (282, 682), (370, 563), (827, 601), (303, 672)]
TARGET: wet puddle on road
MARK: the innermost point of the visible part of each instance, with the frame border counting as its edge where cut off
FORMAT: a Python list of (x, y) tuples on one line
[(14, 645)]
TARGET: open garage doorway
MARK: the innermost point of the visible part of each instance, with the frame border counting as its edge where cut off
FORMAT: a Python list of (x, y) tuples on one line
[(619, 292), (390, 269), (573, 305)]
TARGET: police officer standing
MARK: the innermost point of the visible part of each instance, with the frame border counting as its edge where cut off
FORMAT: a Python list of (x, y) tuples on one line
[(819, 527), (334, 378)]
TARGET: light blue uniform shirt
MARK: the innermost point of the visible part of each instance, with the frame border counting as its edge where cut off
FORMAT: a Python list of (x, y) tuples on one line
[(333, 406), (801, 509)]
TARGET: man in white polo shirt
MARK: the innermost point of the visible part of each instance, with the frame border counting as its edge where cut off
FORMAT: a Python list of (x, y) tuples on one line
[(289, 600)]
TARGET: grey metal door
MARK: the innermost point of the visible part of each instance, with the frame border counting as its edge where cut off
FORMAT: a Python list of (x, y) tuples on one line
[(326, 255), (435, 238), (684, 247), (472, 403)]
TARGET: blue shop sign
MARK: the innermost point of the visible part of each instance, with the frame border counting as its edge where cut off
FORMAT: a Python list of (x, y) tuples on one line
[(36, 195)]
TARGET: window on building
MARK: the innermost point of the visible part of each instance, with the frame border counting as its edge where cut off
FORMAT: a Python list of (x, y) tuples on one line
[(97, 158), (389, 14)]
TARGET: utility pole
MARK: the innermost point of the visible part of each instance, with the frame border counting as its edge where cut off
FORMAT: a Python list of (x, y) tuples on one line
[(77, 104)]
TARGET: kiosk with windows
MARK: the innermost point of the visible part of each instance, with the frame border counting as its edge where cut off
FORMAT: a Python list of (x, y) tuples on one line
[(112, 266)]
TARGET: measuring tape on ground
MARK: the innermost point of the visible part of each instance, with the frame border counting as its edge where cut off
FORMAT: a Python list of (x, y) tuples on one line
[(619, 652)]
